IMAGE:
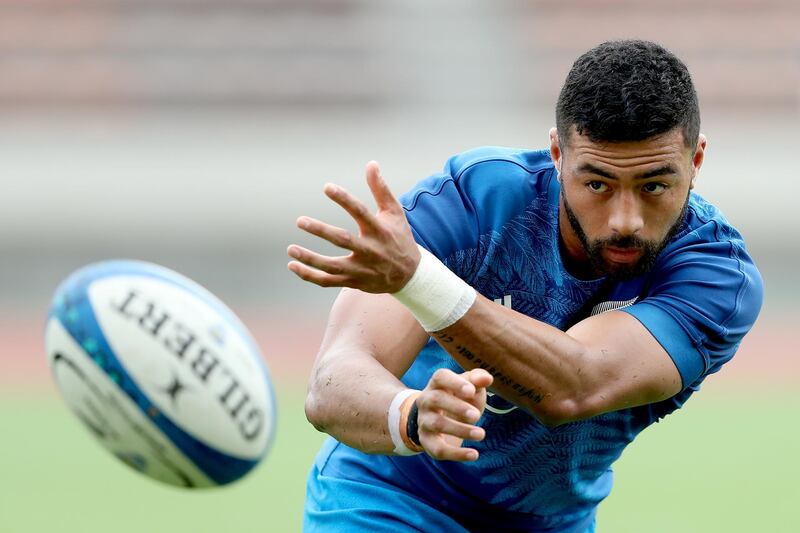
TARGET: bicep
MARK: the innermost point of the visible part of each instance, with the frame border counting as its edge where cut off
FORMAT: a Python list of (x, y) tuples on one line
[(625, 364), (373, 324)]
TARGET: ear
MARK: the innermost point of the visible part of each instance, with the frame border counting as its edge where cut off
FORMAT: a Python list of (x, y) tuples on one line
[(555, 150), (698, 157)]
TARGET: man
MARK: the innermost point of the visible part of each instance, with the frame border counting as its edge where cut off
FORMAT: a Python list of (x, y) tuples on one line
[(620, 291)]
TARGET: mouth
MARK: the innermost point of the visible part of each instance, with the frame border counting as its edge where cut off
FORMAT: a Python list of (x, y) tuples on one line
[(622, 255)]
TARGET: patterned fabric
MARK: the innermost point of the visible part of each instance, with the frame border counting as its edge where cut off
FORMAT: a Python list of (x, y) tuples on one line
[(492, 218)]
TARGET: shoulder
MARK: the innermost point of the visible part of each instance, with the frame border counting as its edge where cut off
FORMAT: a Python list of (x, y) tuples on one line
[(477, 193), (704, 293), (487, 173), (712, 250), (707, 234), (489, 158), (706, 222)]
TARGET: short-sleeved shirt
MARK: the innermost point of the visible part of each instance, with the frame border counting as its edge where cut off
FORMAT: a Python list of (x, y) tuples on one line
[(492, 218)]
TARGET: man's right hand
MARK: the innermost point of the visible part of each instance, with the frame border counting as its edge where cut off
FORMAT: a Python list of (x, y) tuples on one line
[(448, 408)]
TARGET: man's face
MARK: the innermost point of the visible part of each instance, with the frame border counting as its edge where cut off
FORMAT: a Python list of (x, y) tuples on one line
[(622, 202)]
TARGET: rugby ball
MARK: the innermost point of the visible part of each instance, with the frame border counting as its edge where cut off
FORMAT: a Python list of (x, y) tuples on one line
[(162, 373)]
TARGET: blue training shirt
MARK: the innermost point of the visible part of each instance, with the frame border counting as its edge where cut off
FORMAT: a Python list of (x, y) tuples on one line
[(492, 218)]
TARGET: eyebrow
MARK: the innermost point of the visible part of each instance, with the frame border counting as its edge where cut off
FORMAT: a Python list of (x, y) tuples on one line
[(661, 171)]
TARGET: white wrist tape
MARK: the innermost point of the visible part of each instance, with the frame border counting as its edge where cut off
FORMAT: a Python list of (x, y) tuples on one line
[(435, 296), (400, 447)]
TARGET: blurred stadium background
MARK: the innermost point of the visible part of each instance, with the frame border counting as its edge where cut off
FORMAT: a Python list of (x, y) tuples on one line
[(192, 133)]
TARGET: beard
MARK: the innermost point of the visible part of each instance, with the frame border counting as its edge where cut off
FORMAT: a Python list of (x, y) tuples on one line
[(615, 271)]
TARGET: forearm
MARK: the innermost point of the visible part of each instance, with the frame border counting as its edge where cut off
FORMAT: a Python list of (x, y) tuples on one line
[(534, 365)]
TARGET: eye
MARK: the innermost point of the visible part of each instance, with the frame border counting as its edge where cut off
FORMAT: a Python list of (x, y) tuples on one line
[(597, 186), (654, 188)]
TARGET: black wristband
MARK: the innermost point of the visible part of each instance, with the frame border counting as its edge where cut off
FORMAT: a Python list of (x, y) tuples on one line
[(412, 425)]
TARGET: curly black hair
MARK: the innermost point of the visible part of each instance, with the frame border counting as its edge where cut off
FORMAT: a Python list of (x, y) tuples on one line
[(628, 91)]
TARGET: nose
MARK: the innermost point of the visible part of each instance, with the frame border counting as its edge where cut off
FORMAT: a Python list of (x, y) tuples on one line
[(626, 215)]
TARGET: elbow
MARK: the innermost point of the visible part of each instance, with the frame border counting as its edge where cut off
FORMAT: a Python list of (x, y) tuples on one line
[(318, 402), (580, 395), (570, 406), (557, 412), (314, 411)]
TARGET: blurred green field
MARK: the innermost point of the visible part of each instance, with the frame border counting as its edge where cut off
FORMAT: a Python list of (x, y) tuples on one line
[(727, 463)]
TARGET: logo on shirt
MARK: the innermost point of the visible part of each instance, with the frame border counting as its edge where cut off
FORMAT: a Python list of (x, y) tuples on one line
[(613, 305), (505, 301), (495, 404)]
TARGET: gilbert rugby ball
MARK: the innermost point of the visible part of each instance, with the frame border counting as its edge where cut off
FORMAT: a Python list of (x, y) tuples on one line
[(161, 372)]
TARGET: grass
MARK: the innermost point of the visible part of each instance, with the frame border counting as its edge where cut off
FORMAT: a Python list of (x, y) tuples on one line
[(723, 464), (57, 479)]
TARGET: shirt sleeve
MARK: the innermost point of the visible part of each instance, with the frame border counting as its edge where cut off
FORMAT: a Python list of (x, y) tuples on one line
[(477, 192), (705, 296), (441, 217)]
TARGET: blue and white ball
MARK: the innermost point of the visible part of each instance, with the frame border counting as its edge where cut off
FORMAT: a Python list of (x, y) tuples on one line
[(163, 374)]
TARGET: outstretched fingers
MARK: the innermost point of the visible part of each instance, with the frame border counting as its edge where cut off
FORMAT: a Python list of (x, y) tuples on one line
[(337, 236), (384, 253), (384, 197), (318, 277), (331, 265), (367, 221), (325, 270)]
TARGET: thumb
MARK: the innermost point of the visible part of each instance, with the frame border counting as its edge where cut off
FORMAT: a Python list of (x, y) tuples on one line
[(380, 190)]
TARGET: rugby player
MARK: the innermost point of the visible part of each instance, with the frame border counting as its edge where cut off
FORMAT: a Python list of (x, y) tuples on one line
[(509, 325)]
